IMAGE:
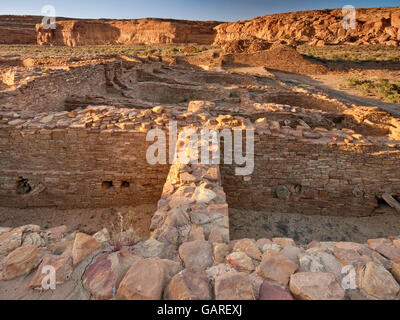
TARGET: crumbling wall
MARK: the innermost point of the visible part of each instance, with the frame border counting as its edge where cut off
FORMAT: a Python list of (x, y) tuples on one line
[(76, 168), (48, 90), (294, 174), (193, 203)]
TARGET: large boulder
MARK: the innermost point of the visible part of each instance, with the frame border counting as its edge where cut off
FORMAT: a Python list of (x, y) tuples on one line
[(276, 267), (62, 266), (233, 286), (376, 281), (10, 241), (190, 284), (146, 279), (389, 252), (316, 286), (103, 277), (84, 245), (197, 254), (21, 261)]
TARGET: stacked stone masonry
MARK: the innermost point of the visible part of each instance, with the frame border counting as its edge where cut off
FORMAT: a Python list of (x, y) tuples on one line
[(334, 162)]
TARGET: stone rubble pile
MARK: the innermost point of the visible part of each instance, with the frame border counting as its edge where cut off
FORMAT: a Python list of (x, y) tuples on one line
[(281, 121), (218, 269)]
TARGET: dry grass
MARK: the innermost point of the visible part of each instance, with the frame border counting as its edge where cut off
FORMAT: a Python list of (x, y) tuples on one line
[(35, 51), (352, 53)]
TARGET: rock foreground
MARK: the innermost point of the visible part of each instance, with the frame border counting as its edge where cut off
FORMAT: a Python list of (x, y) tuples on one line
[(279, 270)]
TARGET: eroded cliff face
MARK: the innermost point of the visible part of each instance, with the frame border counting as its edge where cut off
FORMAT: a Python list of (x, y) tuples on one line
[(319, 27), (18, 29), (143, 31)]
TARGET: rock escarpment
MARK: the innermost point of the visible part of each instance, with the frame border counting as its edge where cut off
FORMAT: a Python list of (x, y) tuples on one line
[(142, 31), (319, 27), (19, 29)]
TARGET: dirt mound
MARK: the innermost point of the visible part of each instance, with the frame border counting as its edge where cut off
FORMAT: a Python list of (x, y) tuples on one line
[(319, 27), (245, 46), (278, 57), (142, 31)]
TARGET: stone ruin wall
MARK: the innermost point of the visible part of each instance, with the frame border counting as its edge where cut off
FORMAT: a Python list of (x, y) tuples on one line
[(190, 241), (322, 177), (48, 91), (70, 157), (190, 256), (193, 203), (74, 167)]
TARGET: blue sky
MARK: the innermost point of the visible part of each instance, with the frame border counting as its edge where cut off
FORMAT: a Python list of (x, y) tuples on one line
[(221, 10)]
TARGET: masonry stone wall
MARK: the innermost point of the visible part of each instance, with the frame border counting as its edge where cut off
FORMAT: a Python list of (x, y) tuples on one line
[(76, 168), (193, 203), (96, 157), (297, 175), (47, 91)]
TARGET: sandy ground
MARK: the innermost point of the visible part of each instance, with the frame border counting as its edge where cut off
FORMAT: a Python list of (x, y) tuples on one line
[(86, 220), (328, 84), (303, 229)]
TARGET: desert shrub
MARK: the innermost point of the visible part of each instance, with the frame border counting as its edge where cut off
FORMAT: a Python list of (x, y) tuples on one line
[(123, 233), (352, 81), (197, 50), (365, 86), (394, 98), (382, 88)]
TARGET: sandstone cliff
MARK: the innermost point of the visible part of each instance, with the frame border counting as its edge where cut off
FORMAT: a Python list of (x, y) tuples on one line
[(18, 29), (376, 25), (142, 31)]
